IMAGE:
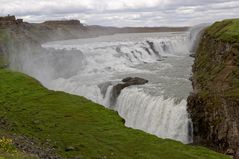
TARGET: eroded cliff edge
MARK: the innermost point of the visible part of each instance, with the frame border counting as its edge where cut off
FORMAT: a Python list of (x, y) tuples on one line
[(214, 104)]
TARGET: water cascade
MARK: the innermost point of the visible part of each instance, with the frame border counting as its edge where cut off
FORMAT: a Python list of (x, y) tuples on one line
[(92, 67)]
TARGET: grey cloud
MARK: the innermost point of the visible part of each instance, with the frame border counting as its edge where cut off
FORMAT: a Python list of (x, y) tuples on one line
[(124, 12)]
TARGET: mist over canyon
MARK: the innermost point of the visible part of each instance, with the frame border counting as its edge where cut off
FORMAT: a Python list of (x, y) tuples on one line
[(94, 67)]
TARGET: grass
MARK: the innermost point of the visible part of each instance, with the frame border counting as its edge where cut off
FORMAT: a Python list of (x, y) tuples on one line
[(217, 64), (94, 132), (226, 30)]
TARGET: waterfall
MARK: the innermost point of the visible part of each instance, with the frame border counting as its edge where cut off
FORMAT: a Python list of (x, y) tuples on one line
[(153, 114), (92, 67), (194, 36)]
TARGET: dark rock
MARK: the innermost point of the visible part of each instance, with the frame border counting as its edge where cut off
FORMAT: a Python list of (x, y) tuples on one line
[(129, 81), (236, 155), (69, 148), (147, 50), (123, 121), (152, 47), (135, 80), (10, 21), (192, 55), (230, 152)]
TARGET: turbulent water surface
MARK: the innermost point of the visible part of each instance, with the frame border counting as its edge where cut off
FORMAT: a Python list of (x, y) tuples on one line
[(91, 67)]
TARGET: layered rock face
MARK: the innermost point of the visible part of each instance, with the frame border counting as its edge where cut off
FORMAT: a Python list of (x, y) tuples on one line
[(214, 104), (9, 20)]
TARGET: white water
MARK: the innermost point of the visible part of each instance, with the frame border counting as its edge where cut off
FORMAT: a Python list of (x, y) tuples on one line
[(155, 115), (91, 67)]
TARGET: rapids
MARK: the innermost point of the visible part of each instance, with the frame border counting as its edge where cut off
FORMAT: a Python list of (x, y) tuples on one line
[(91, 67)]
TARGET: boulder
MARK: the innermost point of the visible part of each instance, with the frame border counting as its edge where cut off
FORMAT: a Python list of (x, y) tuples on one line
[(230, 152), (69, 148), (129, 81), (135, 81), (236, 155)]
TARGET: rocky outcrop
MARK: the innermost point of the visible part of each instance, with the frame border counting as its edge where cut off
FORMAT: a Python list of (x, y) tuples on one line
[(152, 47), (9, 21), (214, 104), (129, 81), (215, 121)]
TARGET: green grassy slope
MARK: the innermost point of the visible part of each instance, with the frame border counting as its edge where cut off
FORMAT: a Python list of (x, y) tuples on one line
[(217, 62), (226, 30), (92, 131)]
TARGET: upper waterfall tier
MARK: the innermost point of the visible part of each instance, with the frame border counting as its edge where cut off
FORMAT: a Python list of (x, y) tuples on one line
[(92, 67)]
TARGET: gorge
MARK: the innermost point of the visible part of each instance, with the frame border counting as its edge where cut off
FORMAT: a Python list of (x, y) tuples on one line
[(93, 67), (145, 77)]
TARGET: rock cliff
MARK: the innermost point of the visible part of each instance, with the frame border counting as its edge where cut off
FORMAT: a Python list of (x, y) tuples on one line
[(17, 36), (214, 104), (9, 21)]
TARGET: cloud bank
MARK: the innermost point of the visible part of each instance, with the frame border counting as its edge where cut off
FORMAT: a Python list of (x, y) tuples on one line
[(123, 12)]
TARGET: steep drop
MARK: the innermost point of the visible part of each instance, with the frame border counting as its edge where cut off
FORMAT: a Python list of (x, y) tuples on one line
[(92, 67)]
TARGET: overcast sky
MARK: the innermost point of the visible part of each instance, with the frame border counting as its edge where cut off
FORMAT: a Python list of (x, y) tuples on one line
[(123, 12)]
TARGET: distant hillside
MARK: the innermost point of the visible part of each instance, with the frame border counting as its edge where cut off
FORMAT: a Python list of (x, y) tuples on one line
[(63, 22), (106, 30)]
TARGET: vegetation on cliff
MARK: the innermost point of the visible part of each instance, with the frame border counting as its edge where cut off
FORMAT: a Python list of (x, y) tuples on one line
[(226, 30), (214, 103), (76, 127), (216, 65)]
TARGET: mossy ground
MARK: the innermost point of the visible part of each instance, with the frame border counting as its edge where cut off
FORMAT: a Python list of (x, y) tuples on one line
[(66, 120), (226, 30), (217, 61)]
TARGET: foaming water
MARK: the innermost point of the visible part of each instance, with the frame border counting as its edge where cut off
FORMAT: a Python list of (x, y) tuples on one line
[(92, 67), (154, 114)]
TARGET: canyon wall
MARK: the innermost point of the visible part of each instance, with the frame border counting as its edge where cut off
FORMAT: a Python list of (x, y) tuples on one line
[(214, 104)]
